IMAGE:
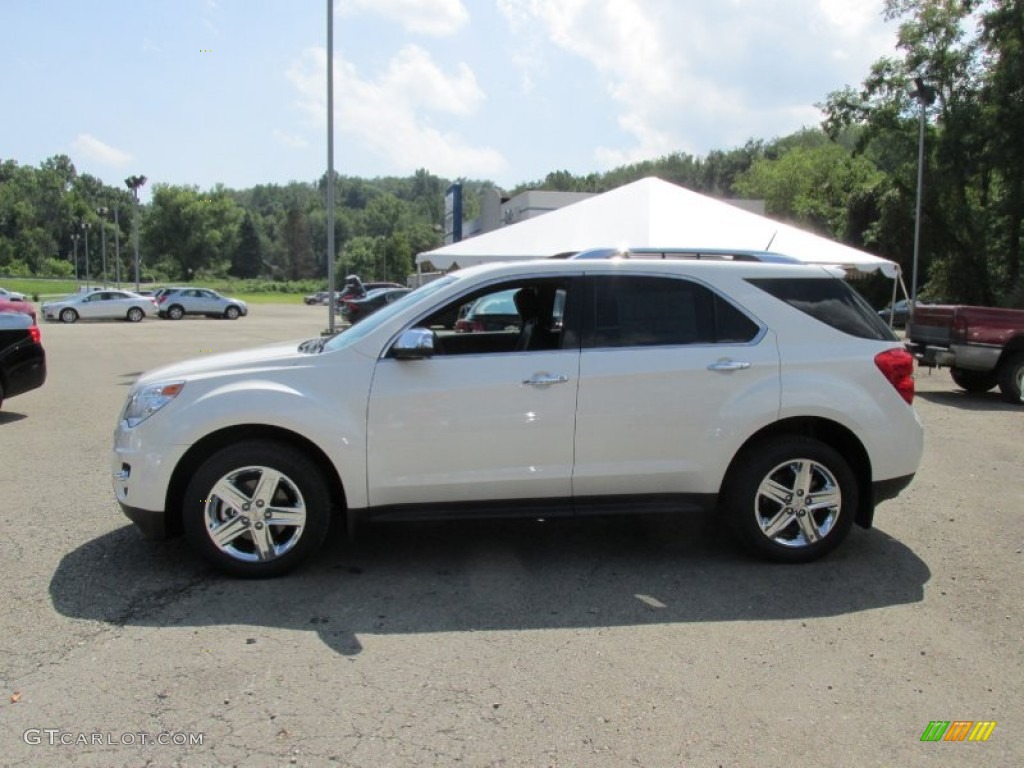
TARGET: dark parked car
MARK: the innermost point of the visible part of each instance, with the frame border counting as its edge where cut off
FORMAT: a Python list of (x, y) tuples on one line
[(355, 310), (22, 359), (896, 314), (359, 290)]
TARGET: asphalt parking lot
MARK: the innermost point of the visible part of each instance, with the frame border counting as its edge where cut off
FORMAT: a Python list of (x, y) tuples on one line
[(608, 643)]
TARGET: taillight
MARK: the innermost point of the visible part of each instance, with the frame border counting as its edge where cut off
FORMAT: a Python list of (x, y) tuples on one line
[(478, 326), (35, 335), (162, 299), (897, 365)]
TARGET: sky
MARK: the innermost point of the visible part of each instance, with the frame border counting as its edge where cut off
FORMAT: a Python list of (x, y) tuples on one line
[(201, 92)]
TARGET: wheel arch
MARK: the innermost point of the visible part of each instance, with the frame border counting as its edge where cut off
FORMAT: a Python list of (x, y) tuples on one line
[(834, 435), (1013, 346), (222, 438)]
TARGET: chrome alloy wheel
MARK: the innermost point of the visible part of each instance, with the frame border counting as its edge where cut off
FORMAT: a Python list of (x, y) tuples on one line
[(798, 503), (255, 514)]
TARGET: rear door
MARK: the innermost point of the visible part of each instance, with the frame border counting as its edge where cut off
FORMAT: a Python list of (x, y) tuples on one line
[(672, 378)]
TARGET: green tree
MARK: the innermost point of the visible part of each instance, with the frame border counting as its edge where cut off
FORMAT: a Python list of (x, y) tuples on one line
[(299, 246), (247, 260), (190, 230)]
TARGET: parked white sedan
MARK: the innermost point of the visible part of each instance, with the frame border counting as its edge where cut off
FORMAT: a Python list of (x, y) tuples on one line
[(100, 305)]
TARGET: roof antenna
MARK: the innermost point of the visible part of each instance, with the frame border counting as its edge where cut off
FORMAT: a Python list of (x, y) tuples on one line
[(772, 240)]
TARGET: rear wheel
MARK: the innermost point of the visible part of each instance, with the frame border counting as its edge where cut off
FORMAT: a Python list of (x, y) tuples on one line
[(257, 509), (1011, 378), (135, 315), (176, 312), (790, 499), (974, 381), (68, 316)]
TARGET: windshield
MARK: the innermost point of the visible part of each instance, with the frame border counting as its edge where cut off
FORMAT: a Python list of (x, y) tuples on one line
[(351, 335)]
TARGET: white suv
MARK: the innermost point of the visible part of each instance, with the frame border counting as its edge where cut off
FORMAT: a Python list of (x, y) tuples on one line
[(771, 393)]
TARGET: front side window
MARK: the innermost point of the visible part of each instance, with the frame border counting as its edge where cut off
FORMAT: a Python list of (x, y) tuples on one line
[(642, 311), (524, 315)]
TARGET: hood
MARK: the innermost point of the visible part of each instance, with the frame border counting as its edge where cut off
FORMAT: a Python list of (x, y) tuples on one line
[(248, 360)]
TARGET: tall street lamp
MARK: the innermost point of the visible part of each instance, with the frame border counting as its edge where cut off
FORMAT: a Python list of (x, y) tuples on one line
[(102, 211), (924, 94), (133, 183), (85, 233), (117, 249), (330, 167), (74, 242)]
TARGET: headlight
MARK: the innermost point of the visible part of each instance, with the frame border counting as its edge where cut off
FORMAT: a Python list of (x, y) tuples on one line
[(149, 400)]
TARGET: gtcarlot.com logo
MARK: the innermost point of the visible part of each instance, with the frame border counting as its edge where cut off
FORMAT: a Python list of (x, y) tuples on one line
[(958, 730)]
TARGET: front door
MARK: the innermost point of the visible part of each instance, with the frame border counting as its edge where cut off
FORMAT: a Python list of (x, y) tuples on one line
[(491, 416)]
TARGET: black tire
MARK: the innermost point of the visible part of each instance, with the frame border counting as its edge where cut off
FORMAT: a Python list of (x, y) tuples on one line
[(238, 469), (974, 381), (1011, 378), (779, 460), (68, 316), (232, 312), (176, 312), (1, 394), (135, 315)]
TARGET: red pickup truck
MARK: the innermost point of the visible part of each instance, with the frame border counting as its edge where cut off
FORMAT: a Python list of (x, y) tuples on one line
[(982, 346)]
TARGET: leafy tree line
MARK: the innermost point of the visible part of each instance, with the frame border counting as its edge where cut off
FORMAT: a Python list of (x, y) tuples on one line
[(854, 178)]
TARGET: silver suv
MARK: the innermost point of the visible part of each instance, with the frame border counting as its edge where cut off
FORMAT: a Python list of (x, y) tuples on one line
[(175, 303)]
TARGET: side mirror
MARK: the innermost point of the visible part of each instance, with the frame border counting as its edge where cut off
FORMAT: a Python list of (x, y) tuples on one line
[(414, 344)]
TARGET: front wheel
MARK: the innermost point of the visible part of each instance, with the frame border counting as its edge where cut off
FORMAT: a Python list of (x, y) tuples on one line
[(257, 509), (1011, 378), (68, 316), (790, 499), (135, 315), (232, 313)]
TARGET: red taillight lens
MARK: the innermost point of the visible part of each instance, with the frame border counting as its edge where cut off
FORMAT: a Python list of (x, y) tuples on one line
[(478, 326), (35, 335), (161, 300), (897, 365)]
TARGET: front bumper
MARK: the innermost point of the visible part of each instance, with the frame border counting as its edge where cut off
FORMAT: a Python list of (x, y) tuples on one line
[(152, 524)]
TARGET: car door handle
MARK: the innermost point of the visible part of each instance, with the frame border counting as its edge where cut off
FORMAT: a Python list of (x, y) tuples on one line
[(728, 365), (544, 379)]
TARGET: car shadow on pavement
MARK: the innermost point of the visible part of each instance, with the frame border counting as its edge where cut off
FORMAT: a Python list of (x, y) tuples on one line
[(970, 401), (488, 575), (9, 417)]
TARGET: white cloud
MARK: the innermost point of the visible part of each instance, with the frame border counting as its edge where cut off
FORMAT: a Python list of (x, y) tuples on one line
[(95, 150), (290, 140), (687, 75), (438, 18), (399, 115)]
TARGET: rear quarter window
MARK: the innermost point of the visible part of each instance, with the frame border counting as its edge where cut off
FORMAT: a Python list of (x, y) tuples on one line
[(830, 301)]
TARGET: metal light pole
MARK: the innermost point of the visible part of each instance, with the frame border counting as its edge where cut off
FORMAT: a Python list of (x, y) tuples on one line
[(74, 242), (330, 167), (925, 96), (85, 232), (133, 183), (103, 241), (117, 249)]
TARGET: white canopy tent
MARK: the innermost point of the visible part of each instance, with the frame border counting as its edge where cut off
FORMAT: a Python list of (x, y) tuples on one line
[(651, 213)]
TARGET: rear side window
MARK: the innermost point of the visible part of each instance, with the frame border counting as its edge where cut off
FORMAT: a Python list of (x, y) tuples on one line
[(831, 301), (652, 311)]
